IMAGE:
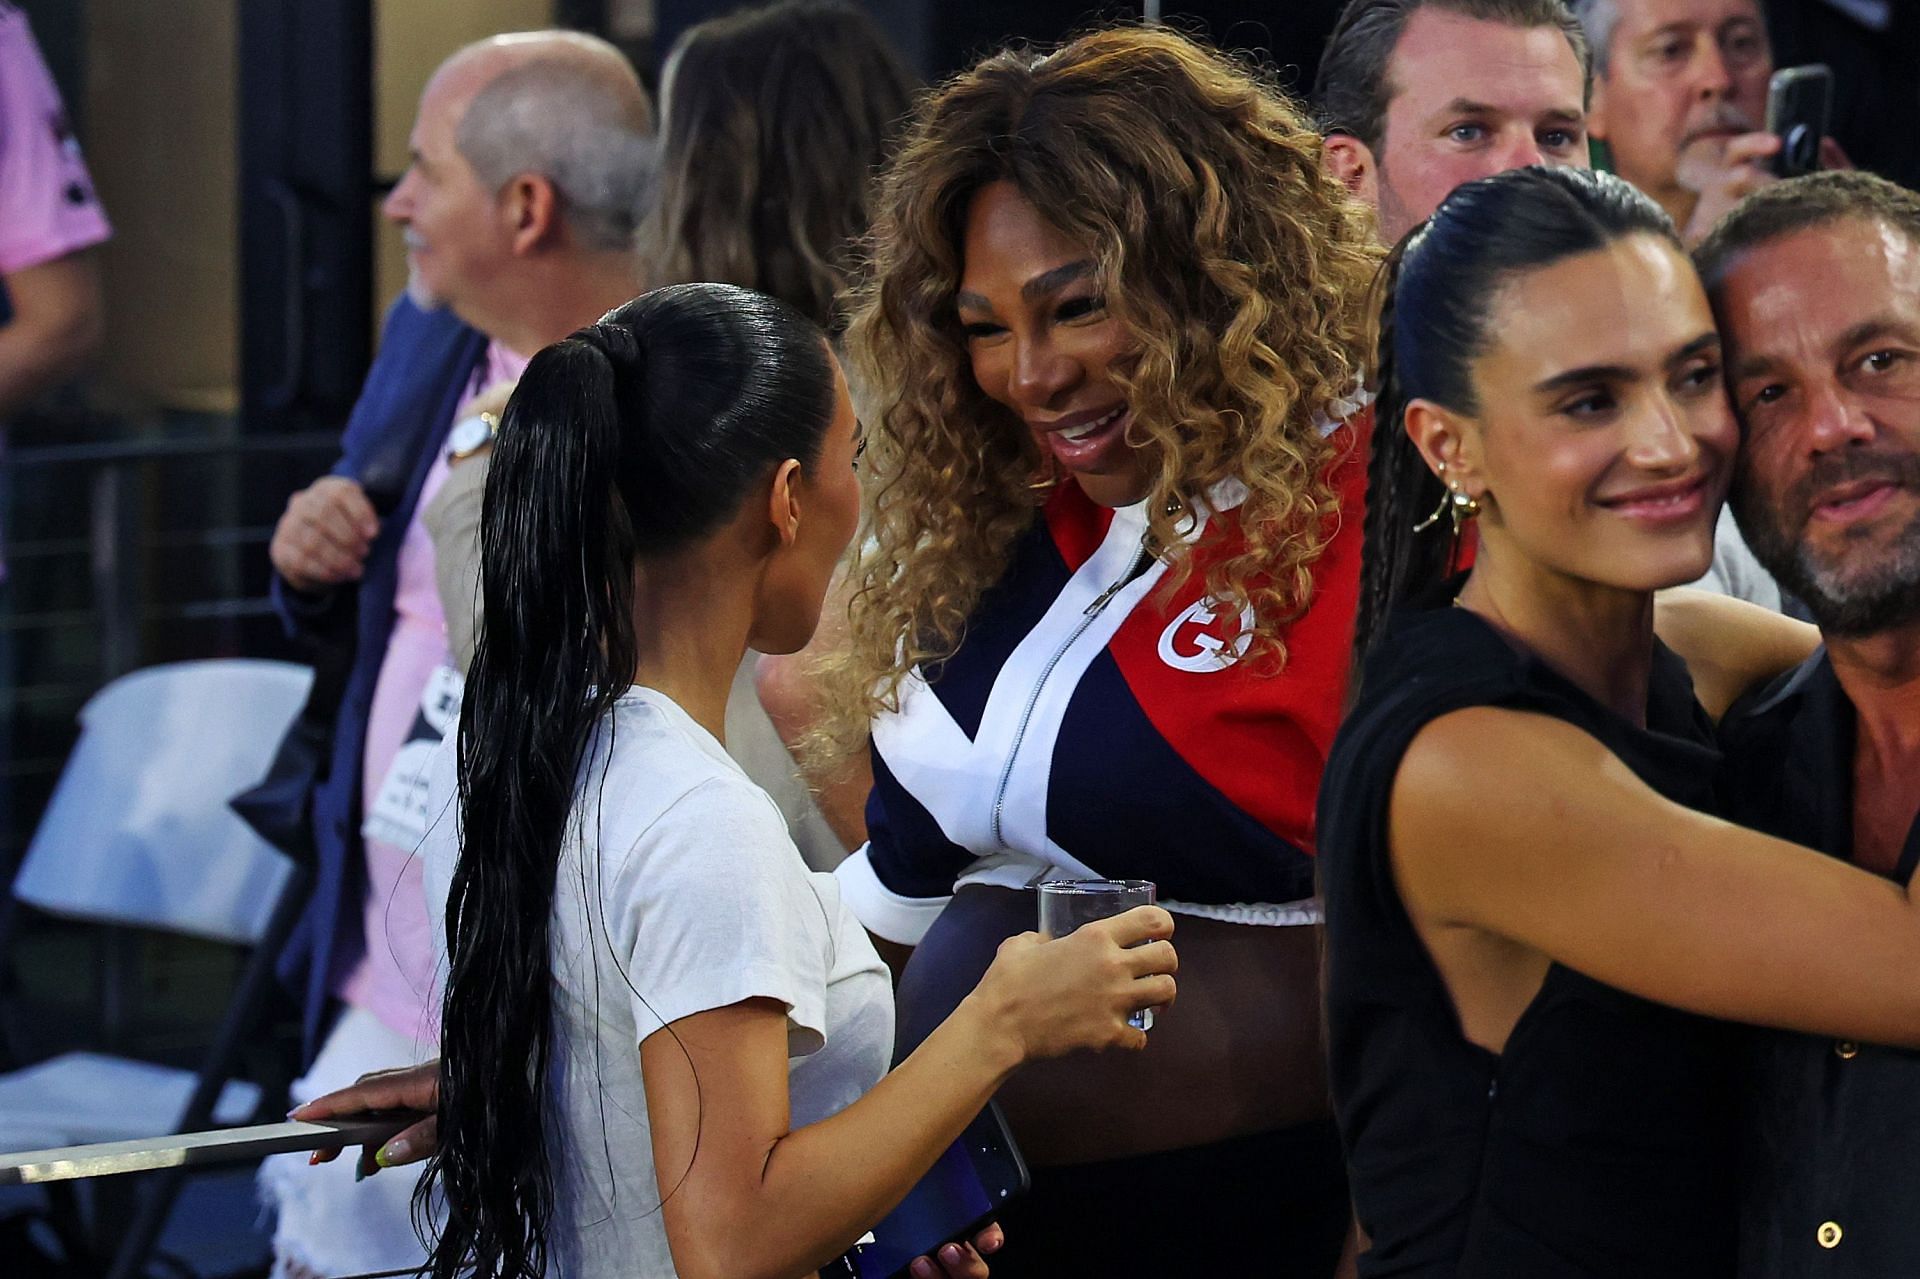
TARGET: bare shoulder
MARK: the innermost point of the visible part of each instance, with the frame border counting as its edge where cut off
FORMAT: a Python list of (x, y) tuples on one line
[(1476, 778), (1729, 645), (1458, 762)]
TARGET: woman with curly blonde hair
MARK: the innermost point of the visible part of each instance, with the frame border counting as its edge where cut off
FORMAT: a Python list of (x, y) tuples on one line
[(1112, 325)]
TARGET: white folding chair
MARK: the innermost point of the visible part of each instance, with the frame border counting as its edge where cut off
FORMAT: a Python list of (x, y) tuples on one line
[(138, 833)]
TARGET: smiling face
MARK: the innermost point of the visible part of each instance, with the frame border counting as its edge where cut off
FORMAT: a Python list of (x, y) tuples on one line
[(1471, 98), (1043, 345), (1602, 445), (1823, 336), (1683, 78)]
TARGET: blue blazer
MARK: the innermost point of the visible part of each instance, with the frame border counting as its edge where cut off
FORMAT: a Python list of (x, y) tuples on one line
[(425, 364)]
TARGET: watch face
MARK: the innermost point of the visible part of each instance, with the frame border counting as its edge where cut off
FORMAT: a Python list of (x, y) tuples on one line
[(469, 434)]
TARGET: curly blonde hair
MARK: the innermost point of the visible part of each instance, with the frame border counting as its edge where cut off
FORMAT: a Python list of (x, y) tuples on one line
[(1237, 266)]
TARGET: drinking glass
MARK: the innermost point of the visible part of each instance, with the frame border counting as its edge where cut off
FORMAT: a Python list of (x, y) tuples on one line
[(1065, 904)]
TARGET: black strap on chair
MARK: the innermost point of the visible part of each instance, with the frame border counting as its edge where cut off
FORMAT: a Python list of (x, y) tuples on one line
[(250, 1000)]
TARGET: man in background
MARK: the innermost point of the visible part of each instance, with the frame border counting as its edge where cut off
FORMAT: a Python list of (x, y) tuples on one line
[(1816, 286), (530, 159), (1680, 101), (1420, 96), (50, 309)]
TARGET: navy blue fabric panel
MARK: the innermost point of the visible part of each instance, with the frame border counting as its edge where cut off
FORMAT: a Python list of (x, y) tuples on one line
[(908, 851), (1008, 610), (1125, 803), (423, 368)]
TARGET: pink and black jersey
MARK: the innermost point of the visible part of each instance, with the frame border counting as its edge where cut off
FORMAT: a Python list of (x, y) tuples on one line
[(47, 205), (1091, 726)]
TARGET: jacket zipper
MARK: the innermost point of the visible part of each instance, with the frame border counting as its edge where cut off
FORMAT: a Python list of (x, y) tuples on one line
[(1087, 616)]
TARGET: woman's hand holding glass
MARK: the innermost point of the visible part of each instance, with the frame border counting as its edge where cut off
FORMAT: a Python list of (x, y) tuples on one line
[(1052, 997)]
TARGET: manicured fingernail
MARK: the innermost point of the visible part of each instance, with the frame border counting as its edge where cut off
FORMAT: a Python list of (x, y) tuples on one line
[(360, 1172), (393, 1152), (922, 1267), (951, 1253), (313, 1159)]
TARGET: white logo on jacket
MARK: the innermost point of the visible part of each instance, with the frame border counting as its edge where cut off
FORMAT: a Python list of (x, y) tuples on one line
[(1203, 651)]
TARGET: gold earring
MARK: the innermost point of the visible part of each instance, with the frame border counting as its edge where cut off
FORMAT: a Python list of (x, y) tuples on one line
[(1457, 505), (1461, 508)]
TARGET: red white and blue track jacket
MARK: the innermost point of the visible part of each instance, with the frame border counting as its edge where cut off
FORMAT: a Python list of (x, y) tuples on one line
[(1088, 727)]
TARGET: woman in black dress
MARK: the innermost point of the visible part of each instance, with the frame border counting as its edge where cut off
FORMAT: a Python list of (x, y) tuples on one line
[(1537, 931)]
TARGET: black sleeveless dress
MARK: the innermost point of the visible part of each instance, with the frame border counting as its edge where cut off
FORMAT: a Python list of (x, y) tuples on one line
[(1600, 1143)]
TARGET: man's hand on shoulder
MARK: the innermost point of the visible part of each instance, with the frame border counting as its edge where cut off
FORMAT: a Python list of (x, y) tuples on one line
[(323, 539)]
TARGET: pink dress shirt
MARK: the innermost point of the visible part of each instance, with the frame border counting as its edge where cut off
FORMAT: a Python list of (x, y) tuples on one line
[(393, 978)]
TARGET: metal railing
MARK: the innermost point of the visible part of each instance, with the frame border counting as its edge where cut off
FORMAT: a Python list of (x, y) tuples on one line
[(126, 552)]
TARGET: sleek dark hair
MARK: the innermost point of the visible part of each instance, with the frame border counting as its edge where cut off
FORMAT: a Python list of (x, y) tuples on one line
[(774, 123), (1799, 204), (636, 435), (1436, 296), (1352, 88)]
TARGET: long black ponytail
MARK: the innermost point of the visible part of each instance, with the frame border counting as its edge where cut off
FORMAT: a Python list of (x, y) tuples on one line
[(1435, 298), (636, 435), (1396, 550)]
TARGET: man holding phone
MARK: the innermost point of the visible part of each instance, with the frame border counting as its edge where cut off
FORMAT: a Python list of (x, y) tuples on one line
[(1680, 102)]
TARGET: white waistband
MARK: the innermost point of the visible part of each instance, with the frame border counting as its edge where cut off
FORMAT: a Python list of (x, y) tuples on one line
[(906, 919), (1014, 871)]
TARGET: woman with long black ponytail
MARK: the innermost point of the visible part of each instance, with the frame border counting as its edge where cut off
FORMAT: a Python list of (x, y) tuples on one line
[(1537, 929), (557, 650), (662, 1037)]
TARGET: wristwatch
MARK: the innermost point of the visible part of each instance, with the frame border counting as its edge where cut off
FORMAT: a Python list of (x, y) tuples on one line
[(471, 434)]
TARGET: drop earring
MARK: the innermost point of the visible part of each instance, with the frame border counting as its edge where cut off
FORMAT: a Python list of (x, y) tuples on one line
[(1456, 504)]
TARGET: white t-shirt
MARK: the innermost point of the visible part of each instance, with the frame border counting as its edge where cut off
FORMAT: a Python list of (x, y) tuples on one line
[(686, 894)]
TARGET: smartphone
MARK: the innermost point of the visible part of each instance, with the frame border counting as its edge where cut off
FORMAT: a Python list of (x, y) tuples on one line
[(958, 1198), (1799, 108)]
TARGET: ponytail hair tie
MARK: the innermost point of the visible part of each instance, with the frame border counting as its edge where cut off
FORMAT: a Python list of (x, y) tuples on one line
[(615, 341)]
